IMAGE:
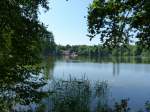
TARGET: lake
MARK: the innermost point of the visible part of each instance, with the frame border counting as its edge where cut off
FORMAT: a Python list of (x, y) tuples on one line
[(127, 77)]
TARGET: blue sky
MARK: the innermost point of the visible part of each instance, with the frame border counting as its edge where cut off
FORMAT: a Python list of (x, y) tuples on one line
[(66, 21)]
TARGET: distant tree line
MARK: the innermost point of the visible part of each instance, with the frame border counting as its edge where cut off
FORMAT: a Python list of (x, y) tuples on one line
[(99, 50)]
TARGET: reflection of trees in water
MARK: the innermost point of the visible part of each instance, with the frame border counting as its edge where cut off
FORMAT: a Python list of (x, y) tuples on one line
[(116, 66), (19, 84), (116, 69), (21, 92), (49, 67), (114, 59)]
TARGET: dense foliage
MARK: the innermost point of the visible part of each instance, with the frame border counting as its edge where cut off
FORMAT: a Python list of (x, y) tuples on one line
[(99, 50), (22, 40), (120, 22), (21, 32), (48, 44)]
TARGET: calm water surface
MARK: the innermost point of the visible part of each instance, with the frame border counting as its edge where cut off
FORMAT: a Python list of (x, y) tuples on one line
[(126, 77)]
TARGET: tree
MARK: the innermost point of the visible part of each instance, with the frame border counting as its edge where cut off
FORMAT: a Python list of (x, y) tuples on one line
[(49, 45), (118, 21), (21, 37), (21, 32)]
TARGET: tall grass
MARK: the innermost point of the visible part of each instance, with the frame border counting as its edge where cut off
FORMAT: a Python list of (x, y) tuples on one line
[(77, 95)]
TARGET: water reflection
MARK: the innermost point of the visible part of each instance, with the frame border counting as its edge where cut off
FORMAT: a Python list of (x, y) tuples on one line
[(49, 64), (19, 84), (115, 61), (112, 59), (20, 95), (128, 76), (80, 95), (116, 69)]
